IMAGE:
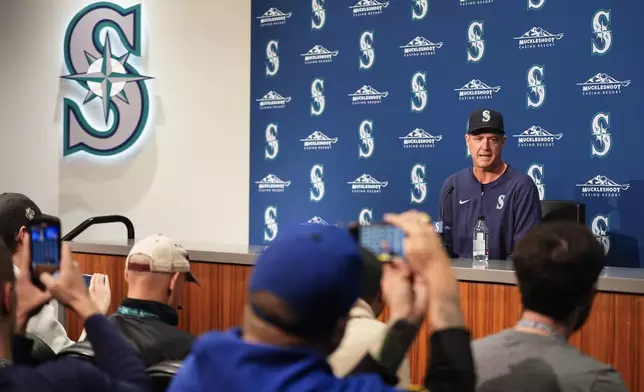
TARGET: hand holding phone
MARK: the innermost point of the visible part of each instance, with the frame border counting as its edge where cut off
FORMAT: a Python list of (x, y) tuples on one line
[(383, 240), (44, 245)]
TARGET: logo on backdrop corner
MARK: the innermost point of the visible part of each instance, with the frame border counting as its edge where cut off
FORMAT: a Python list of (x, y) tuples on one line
[(602, 186), (102, 70), (419, 184), (535, 5), (366, 145), (367, 95), (368, 7), (367, 184), (316, 220), (318, 141), (365, 217), (316, 193), (367, 51), (535, 171), (419, 9), (420, 46), (601, 141), (476, 89), (273, 100), (476, 48), (273, 17), (270, 223), (419, 138), (536, 95), (603, 84), (272, 58), (603, 34), (318, 14), (318, 55), (536, 136), (272, 147), (318, 102), (600, 226), (418, 92), (537, 37), (272, 183)]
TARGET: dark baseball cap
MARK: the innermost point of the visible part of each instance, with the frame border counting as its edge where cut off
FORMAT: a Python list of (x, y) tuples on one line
[(16, 211), (485, 121), (316, 271)]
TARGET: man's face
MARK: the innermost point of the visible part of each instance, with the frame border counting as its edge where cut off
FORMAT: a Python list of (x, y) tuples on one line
[(485, 149)]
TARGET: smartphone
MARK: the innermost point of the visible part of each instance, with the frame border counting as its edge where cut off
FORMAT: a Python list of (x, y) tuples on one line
[(383, 240), (87, 279), (45, 245)]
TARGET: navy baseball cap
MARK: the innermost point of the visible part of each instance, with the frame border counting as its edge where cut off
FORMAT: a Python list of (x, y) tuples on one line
[(317, 271), (485, 121)]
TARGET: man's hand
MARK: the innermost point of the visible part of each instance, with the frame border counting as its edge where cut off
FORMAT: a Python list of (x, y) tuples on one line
[(29, 297), (99, 292), (69, 288), (406, 294)]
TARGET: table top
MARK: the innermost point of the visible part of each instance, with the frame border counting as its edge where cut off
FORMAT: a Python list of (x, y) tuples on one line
[(612, 279)]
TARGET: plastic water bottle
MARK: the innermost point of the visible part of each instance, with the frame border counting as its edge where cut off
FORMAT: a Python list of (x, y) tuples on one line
[(480, 246)]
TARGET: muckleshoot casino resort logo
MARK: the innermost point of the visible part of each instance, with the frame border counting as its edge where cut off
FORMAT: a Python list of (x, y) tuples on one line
[(368, 7), (537, 37), (273, 100), (367, 95), (536, 136), (116, 103), (273, 17), (318, 141), (475, 2), (367, 184), (476, 89), (272, 183), (319, 54), (420, 46), (603, 84), (419, 138), (602, 186)]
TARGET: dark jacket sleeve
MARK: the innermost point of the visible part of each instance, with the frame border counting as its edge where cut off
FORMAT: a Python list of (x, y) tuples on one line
[(451, 366), (527, 210), (118, 367)]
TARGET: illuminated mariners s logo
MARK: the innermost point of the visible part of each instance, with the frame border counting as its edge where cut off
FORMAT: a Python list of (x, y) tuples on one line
[(318, 102), (536, 96), (536, 136), (318, 14), (418, 184), (319, 54), (602, 186), (273, 100), (272, 183), (418, 92), (603, 35), (272, 58), (318, 141), (537, 37), (365, 217), (367, 95), (368, 7), (601, 141), (603, 84), (476, 89), (476, 48), (419, 9), (115, 110), (272, 146), (273, 17), (270, 223), (316, 193), (600, 226), (419, 138), (534, 5), (367, 51), (535, 171), (420, 46), (366, 145), (316, 220), (367, 184)]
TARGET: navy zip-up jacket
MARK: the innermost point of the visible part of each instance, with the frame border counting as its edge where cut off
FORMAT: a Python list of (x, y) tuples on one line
[(510, 205)]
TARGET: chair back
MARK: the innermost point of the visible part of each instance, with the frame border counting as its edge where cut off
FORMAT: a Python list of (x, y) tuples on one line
[(40, 351), (82, 350), (162, 374), (563, 210)]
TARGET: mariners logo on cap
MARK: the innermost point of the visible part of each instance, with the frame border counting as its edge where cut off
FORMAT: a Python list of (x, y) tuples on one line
[(29, 213)]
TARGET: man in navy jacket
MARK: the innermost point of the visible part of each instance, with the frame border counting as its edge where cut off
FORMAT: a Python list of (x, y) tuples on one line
[(505, 196)]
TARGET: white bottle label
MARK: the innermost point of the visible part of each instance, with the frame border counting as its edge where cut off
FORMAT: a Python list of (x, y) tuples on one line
[(479, 245)]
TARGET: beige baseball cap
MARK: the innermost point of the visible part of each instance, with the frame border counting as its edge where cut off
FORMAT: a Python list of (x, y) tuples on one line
[(165, 256)]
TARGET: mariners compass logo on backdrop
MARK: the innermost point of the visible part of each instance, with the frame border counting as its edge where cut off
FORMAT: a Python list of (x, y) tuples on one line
[(272, 147), (366, 145), (535, 171), (600, 227), (419, 9), (602, 139), (536, 95), (318, 101), (603, 35), (418, 92), (272, 58), (476, 49), (92, 61), (535, 5), (367, 51), (419, 184), (318, 14)]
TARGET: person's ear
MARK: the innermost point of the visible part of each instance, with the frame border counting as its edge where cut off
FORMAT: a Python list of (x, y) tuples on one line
[(20, 236), (174, 279)]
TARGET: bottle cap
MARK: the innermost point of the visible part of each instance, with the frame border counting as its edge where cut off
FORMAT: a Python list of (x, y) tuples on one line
[(481, 217)]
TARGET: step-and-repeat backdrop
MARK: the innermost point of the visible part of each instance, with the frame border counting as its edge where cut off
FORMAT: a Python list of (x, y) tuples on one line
[(360, 107)]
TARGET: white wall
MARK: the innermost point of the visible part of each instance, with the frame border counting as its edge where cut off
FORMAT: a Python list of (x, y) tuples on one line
[(188, 176)]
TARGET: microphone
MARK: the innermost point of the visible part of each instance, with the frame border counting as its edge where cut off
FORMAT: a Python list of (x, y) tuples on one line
[(439, 226)]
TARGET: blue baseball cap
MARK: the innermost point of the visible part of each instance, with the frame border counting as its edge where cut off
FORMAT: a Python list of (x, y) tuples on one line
[(317, 271)]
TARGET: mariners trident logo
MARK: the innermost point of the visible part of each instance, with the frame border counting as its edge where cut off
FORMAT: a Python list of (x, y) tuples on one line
[(476, 48), (535, 171), (270, 223), (419, 184), (367, 52), (318, 103), (95, 66), (603, 35), (419, 9), (536, 96), (365, 148), (272, 58), (419, 92), (365, 217), (317, 183), (600, 227), (318, 17), (602, 139), (272, 147), (535, 5)]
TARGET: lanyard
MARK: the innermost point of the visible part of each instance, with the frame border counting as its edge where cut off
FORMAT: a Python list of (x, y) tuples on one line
[(127, 311), (541, 327)]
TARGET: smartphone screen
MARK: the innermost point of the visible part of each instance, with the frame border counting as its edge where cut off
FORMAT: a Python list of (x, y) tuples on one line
[(87, 279), (45, 245), (384, 241)]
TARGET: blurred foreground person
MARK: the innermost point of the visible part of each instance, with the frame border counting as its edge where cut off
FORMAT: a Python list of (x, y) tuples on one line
[(300, 294), (364, 331), (557, 266), (118, 367)]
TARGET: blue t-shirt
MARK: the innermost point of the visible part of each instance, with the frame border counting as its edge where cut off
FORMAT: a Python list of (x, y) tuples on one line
[(510, 205)]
